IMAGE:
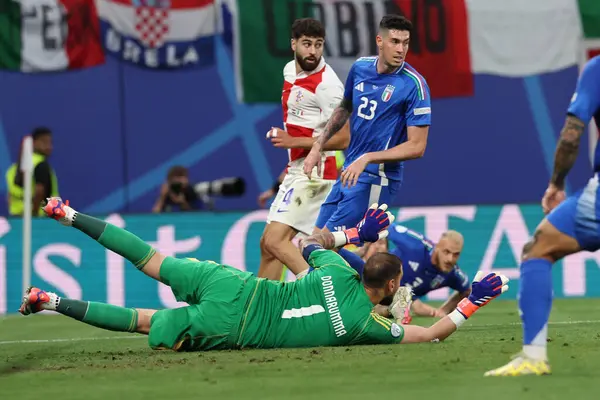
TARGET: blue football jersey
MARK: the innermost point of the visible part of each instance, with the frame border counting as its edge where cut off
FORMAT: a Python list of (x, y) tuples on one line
[(383, 106), (585, 103), (419, 273)]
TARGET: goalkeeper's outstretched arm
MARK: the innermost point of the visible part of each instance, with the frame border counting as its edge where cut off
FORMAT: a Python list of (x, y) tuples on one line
[(483, 291), (420, 334)]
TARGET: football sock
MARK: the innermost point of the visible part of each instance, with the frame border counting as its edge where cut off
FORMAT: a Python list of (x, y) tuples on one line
[(535, 303), (116, 239), (353, 259), (101, 315)]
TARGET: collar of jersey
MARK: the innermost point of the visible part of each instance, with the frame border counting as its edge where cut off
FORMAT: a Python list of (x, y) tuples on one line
[(395, 73), (314, 71)]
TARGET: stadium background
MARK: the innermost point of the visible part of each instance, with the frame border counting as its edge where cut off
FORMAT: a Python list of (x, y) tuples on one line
[(118, 127)]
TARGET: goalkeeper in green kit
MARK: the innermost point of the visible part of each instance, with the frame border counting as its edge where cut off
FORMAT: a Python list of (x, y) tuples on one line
[(232, 309)]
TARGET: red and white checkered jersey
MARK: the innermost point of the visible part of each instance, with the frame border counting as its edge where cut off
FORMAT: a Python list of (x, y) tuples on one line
[(308, 101)]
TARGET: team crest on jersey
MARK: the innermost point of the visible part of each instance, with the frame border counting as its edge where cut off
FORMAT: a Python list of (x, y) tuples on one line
[(395, 330), (437, 281), (387, 93), (299, 96)]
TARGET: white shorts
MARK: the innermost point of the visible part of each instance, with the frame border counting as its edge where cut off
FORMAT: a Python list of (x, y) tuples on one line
[(298, 202)]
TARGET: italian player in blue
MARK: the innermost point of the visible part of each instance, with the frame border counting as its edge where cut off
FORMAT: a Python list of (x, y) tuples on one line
[(427, 266), (572, 224), (388, 104)]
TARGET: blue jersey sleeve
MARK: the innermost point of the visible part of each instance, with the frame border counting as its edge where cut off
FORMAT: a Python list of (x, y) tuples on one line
[(395, 233), (586, 99), (349, 87), (458, 280), (418, 105), (400, 235)]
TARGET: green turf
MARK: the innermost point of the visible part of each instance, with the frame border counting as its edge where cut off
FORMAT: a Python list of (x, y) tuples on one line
[(122, 367)]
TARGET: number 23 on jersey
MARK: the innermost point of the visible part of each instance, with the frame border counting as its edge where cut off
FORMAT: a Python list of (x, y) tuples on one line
[(366, 109)]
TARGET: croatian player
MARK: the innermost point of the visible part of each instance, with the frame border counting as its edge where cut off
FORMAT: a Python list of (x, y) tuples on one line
[(388, 105), (265, 196), (311, 91), (428, 266), (233, 309), (572, 225)]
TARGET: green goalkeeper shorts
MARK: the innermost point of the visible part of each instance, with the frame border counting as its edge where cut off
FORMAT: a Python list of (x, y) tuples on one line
[(217, 296)]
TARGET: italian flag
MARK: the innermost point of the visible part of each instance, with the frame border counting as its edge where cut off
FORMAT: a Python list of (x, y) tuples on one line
[(49, 35), (452, 39)]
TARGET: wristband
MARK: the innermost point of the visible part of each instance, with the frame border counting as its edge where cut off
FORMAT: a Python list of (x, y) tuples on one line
[(307, 251), (457, 317), (339, 239)]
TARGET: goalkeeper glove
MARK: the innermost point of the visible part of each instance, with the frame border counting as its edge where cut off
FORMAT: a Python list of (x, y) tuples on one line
[(371, 228), (482, 292), (400, 307)]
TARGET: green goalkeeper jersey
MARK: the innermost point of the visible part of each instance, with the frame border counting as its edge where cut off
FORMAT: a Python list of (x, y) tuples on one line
[(328, 307)]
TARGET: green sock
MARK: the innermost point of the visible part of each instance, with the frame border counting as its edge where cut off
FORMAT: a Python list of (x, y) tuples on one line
[(102, 315), (116, 239)]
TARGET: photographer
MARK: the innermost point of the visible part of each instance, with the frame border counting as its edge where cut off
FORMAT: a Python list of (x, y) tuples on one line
[(177, 194)]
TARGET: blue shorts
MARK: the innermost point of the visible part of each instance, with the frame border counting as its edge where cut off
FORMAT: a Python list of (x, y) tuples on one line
[(345, 207), (578, 216)]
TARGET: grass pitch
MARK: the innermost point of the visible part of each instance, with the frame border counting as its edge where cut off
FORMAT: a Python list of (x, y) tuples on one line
[(58, 358)]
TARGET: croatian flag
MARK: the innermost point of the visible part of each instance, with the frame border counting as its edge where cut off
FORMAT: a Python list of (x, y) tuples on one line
[(160, 34)]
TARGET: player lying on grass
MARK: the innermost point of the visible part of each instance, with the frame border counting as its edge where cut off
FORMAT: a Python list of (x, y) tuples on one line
[(231, 309), (428, 266)]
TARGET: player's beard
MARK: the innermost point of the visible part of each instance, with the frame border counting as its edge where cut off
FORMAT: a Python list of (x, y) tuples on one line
[(309, 65), (390, 62)]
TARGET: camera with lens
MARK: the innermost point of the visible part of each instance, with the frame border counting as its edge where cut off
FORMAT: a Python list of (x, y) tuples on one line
[(224, 187), (180, 193)]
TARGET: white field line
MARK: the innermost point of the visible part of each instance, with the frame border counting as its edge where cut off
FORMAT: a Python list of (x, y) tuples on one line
[(580, 322), (33, 341), (88, 339)]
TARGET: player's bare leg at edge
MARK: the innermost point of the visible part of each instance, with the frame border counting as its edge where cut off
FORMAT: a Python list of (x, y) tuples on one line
[(535, 299), (571, 225)]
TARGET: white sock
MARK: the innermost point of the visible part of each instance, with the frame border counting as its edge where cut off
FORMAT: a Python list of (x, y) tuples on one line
[(53, 303), (69, 217), (537, 348), (457, 317), (535, 352)]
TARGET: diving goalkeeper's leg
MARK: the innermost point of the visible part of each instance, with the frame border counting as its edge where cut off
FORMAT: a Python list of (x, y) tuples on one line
[(101, 315), (122, 242)]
